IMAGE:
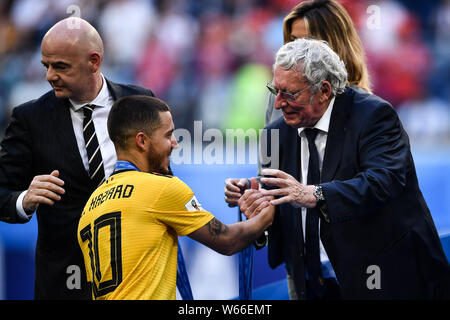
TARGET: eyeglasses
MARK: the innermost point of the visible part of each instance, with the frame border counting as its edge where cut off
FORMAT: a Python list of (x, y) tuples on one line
[(286, 95)]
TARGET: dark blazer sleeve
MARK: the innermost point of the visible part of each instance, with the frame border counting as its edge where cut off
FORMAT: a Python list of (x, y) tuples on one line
[(15, 164), (382, 158)]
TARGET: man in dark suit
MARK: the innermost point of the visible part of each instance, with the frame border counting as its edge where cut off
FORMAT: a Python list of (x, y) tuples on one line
[(45, 165), (351, 221)]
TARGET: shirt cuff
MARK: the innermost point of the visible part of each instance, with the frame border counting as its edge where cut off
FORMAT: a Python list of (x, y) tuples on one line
[(19, 208)]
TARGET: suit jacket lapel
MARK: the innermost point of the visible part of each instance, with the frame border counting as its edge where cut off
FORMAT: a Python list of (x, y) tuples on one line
[(62, 122), (336, 133), (290, 164)]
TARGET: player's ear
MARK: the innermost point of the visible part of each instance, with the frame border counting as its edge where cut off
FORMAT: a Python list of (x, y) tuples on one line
[(142, 141)]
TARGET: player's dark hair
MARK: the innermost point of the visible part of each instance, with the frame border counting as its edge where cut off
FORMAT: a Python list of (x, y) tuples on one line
[(132, 114)]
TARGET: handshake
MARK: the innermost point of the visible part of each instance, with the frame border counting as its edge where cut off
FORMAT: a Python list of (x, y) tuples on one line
[(252, 198)]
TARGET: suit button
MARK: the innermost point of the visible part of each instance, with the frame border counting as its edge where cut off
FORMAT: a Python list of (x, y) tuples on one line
[(321, 281)]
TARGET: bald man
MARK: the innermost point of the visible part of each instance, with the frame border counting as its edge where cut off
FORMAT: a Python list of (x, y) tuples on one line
[(44, 163)]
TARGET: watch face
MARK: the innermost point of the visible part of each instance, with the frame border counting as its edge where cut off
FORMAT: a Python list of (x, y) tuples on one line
[(318, 193)]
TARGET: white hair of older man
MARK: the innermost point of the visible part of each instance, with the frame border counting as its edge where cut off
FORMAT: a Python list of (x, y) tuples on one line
[(317, 61)]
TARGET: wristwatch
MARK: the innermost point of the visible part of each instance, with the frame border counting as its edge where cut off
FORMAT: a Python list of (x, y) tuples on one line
[(318, 193)]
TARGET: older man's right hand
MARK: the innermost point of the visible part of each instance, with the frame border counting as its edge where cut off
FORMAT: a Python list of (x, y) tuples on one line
[(44, 189), (234, 189)]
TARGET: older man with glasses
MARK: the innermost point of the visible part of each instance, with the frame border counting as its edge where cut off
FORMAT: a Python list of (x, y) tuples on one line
[(351, 221)]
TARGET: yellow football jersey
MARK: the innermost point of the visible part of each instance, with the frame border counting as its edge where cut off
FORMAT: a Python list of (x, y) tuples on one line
[(128, 233)]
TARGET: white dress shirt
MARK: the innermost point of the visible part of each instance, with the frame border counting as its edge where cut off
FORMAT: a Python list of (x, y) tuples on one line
[(103, 103), (321, 141)]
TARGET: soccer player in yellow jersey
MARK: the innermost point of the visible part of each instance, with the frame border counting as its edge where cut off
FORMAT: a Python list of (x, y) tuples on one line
[(129, 228)]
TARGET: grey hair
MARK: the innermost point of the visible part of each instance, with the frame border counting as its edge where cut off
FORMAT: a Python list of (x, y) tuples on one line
[(318, 62)]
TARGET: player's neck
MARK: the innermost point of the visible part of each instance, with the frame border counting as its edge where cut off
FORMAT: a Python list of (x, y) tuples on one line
[(138, 161)]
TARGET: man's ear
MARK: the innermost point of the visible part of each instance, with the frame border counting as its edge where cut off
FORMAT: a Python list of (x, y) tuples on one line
[(95, 62), (142, 141), (325, 91)]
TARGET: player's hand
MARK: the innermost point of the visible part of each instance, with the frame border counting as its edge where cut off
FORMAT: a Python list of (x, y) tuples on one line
[(289, 189), (234, 189), (44, 189), (253, 201)]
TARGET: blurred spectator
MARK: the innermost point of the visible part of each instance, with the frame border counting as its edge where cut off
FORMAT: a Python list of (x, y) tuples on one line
[(427, 120), (440, 80), (8, 33), (214, 61), (191, 52), (247, 96), (125, 25), (403, 70), (398, 56), (166, 47)]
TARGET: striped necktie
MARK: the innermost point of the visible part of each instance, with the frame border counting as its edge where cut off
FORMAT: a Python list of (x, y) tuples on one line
[(96, 171)]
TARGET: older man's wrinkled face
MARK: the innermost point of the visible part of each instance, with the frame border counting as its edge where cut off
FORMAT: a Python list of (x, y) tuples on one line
[(307, 108)]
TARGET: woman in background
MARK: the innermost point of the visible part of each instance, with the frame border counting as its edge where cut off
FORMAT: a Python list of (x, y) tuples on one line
[(326, 20)]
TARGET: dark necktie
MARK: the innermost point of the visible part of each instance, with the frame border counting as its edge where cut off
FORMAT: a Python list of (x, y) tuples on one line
[(96, 171), (313, 263), (297, 250)]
